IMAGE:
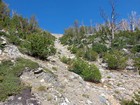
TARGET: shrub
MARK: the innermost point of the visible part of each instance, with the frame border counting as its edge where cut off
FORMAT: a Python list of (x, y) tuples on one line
[(136, 48), (39, 46), (127, 102), (99, 48), (134, 101), (14, 39), (90, 55), (66, 60), (119, 42), (78, 65), (112, 61), (88, 72), (1, 78), (9, 76), (137, 63), (65, 39), (92, 74), (115, 60), (2, 33), (80, 53), (74, 49), (41, 88)]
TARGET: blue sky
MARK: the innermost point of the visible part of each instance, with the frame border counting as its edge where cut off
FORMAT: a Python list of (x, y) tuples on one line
[(57, 15)]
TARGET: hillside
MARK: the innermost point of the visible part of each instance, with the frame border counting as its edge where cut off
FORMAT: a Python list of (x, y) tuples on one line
[(84, 66), (60, 86)]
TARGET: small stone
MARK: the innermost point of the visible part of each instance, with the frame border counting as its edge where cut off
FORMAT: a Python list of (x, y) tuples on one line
[(3, 42), (104, 65), (88, 102), (38, 71), (130, 68), (63, 103), (67, 100), (102, 80), (72, 77), (42, 80), (126, 51), (103, 99), (19, 98)]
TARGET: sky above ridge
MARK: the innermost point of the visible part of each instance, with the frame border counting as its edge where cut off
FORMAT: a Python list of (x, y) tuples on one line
[(57, 15)]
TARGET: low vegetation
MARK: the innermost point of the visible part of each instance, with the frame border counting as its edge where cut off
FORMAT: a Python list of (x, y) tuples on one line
[(115, 52), (65, 60), (88, 72), (115, 60), (134, 101), (25, 33), (9, 76)]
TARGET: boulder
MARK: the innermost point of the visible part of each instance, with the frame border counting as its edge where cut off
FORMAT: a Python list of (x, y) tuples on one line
[(38, 71), (104, 65), (126, 51), (12, 51), (51, 59), (130, 68), (137, 54), (72, 56)]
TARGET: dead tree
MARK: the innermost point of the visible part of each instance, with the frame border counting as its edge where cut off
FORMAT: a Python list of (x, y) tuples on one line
[(133, 19), (110, 21)]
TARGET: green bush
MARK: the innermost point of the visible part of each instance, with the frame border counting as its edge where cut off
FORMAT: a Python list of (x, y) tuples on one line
[(74, 49), (65, 39), (78, 66), (88, 72), (92, 74), (137, 63), (39, 46), (91, 55), (136, 48), (2, 33), (134, 101), (66, 60), (14, 39), (9, 76), (80, 53), (127, 102), (99, 48), (115, 60)]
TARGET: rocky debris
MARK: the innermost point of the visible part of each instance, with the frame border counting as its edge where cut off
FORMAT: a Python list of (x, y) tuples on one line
[(129, 46), (126, 51), (130, 68), (4, 41), (12, 51), (62, 87), (4, 31), (25, 98), (137, 54), (38, 71), (51, 58), (130, 62), (104, 65), (62, 50), (44, 86), (122, 84)]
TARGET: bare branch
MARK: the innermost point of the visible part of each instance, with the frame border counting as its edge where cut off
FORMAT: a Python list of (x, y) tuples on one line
[(104, 15)]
